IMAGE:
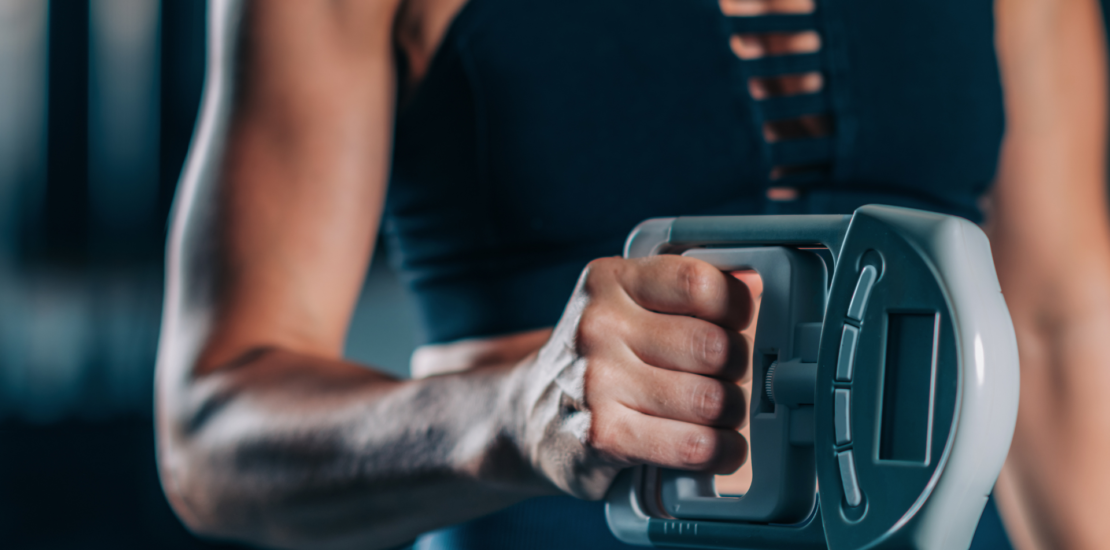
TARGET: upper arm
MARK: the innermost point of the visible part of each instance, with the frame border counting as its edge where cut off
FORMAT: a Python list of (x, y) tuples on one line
[(1048, 216), (279, 204)]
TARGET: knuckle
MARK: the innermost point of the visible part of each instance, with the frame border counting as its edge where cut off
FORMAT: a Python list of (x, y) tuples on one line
[(602, 383), (596, 378), (711, 345), (597, 434), (709, 401), (599, 272), (602, 433), (697, 449), (699, 282), (587, 324), (593, 326), (600, 324)]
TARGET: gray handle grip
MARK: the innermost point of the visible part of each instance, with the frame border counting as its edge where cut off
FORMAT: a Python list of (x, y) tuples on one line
[(674, 235), (793, 304)]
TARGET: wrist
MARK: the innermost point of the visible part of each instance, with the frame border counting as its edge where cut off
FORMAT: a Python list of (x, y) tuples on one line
[(503, 458), (517, 410)]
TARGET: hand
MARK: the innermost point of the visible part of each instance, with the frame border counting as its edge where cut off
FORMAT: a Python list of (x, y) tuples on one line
[(641, 369)]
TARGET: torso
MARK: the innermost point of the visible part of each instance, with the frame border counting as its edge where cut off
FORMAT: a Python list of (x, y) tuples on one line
[(533, 135)]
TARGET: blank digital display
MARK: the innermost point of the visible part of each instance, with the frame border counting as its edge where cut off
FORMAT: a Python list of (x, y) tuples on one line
[(908, 387)]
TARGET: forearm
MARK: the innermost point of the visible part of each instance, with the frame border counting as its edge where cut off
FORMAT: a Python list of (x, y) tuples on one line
[(273, 227), (1051, 240), (294, 451), (1053, 489)]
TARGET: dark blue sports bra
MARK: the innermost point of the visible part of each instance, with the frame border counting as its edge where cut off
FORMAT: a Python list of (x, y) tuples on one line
[(544, 131)]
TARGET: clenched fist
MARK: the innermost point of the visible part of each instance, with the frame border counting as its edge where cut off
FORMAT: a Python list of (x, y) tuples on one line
[(641, 369)]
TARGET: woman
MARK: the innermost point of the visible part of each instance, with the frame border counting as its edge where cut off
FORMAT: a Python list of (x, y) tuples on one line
[(527, 138)]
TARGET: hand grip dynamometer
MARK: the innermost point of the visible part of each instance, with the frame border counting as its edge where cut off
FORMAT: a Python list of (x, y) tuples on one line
[(894, 388)]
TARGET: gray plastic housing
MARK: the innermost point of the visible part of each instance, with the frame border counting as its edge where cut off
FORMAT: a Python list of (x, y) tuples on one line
[(915, 386)]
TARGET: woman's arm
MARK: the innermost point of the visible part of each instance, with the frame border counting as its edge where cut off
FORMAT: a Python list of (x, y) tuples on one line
[(1051, 240), (266, 434)]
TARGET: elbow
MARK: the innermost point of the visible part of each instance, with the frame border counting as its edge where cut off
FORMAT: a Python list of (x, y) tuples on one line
[(192, 492), (205, 498), (204, 470), (209, 497), (186, 505), (189, 462)]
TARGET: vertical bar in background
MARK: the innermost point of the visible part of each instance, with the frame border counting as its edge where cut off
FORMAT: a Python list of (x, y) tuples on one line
[(124, 86), (23, 51), (23, 85), (60, 232)]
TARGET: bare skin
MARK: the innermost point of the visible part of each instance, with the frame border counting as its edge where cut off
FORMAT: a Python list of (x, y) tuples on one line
[(1049, 210), (267, 435)]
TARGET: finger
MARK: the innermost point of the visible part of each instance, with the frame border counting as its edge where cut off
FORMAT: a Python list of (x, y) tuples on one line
[(689, 345), (687, 286), (681, 396), (631, 437)]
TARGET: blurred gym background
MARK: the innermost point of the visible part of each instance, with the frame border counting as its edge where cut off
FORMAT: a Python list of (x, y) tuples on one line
[(98, 99)]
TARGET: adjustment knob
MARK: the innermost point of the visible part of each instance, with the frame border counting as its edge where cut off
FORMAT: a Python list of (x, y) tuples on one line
[(791, 383), (769, 382)]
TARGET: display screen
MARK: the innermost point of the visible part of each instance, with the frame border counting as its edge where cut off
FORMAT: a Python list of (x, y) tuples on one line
[(908, 376)]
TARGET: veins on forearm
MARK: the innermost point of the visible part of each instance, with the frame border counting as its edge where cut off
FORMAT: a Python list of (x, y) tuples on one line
[(346, 423)]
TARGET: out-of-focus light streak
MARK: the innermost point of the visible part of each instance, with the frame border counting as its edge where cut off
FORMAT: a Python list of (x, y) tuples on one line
[(23, 84), (123, 114)]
